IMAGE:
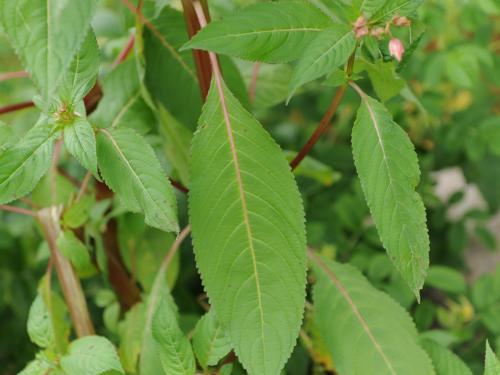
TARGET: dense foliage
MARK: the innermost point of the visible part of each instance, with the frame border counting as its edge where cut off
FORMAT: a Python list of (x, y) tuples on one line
[(244, 186)]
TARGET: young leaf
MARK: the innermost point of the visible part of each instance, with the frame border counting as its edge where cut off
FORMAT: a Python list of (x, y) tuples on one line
[(82, 73), (365, 330), (91, 355), (274, 32), (131, 330), (210, 342), (46, 35), (388, 169), (444, 360), (74, 250), (122, 104), (173, 347), (130, 168), (37, 367), (79, 139), (39, 324), (248, 232), (491, 363), (22, 166), (330, 49)]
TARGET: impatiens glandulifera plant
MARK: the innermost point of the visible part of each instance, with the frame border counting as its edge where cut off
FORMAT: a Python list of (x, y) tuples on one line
[(172, 115)]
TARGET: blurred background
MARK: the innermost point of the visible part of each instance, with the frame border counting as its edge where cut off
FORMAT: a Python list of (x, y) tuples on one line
[(445, 93)]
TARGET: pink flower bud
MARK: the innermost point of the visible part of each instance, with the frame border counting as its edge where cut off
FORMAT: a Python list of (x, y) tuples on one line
[(360, 27), (396, 49), (401, 21), (377, 32)]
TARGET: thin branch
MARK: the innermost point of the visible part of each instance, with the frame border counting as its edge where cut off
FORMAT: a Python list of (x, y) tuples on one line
[(179, 186), (18, 210), (16, 107), (125, 52), (53, 170), (13, 75), (84, 186), (253, 84)]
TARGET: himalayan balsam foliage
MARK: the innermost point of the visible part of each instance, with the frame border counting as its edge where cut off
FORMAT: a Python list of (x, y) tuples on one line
[(249, 187)]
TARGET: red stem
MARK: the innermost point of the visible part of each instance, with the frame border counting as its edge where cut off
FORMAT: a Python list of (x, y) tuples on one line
[(18, 210), (16, 107), (12, 75), (125, 52), (253, 84)]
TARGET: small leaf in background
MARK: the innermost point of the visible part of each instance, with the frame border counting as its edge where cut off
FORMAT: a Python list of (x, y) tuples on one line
[(491, 363), (173, 347), (210, 342), (358, 321), (131, 330), (77, 212), (445, 361), (389, 172), (385, 80), (274, 32), (486, 237), (39, 324), (22, 165), (74, 250), (130, 168), (330, 49), (314, 169), (122, 104), (177, 142), (82, 73), (446, 279), (79, 139), (248, 227), (46, 35), (91, 355)]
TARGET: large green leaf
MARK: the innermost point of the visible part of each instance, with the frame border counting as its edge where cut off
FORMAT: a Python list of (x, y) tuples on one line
[(369, 7), (491, 363), (388, 169), (130, 168), (365, 331), (22, 166), (122, 104), (46, 34), (91, 355), (82, 73), (395, 7), (173, 347), (210, 342), (270, 32), (171, 75), (248, 232), (79, 139), (330, 49), (444, 360)]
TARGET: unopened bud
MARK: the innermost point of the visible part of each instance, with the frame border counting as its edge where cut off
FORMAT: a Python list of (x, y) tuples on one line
[(396, 49), (401, 21), (377, 32), (360, 27)]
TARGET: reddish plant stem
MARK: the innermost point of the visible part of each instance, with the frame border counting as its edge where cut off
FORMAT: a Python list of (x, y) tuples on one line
[(70, 284), (125, 52), (179, 186), (16, 107), (12, 75), (201, 58), (253, 84), (18, 210), (83, 186)]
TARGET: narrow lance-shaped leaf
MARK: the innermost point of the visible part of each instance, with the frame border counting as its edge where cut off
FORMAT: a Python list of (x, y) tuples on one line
[(365, 331), (330, 49), (444, 360), (130, 168), (22, 166), (46, 35), (388, 169), (248, 232), (79, 139), (210, 342), (270, 32), (172, 346)]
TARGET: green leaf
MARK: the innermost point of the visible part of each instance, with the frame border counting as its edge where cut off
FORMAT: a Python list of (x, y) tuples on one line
[(274, 32), (173, 347), (36, 367), (444, 360), (369, 7), (491, 363), (74, 250), (177, 140), (385, 80), (395, 7), (170, 75), (446, 279), (210, 342), (248, 232), (39, 324), (46, 35), (131, 330), (329, 50), (358, 321), (314, 169), (82, 73), (388, 169), (22, 166), (130, 168), (122, 104), (91, 355), (77, 212), (79, 139)]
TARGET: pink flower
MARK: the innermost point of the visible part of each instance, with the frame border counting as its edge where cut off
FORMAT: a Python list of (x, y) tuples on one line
[(377, 32), (396, 49), (360, 27), (401, 21)]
